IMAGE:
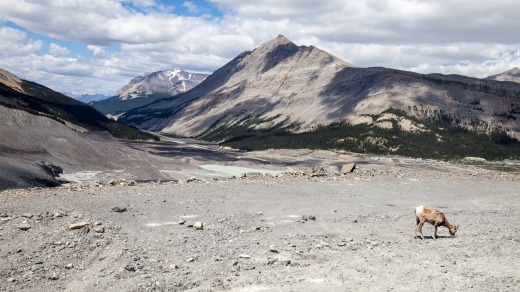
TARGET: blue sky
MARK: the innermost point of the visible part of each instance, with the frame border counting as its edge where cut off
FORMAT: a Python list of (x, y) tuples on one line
[(98, 46)]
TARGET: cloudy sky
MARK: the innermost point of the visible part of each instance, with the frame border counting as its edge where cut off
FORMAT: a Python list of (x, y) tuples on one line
[(97, 46)]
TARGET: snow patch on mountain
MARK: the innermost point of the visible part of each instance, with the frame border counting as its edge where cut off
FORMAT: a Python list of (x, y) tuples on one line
[(165, 83)]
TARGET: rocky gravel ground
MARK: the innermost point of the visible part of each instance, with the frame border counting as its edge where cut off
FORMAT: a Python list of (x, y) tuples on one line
[(298, 231)]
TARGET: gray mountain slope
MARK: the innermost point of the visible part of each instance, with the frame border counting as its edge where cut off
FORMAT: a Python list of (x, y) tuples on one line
[(512, 75), (35, 149), (148, 88), (280, 82)]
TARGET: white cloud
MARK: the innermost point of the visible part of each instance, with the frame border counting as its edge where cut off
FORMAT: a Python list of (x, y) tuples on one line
[(126, 38), (192, 7), (97, 51), (58, 51), (16, 43)]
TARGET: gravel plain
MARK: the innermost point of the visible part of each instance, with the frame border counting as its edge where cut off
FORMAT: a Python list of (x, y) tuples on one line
[(288, 232)]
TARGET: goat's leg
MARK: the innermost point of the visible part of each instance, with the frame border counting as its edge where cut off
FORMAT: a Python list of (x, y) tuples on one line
[(417, 221), (435, 231), (420, 229)]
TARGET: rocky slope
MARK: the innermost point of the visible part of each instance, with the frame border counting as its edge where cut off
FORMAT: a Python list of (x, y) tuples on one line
[(38, 99), (35, 149), (148, 88), (280, 84), (512, 75)]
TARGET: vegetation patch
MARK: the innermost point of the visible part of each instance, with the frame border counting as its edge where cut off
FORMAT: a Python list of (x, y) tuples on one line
[(439, 140)]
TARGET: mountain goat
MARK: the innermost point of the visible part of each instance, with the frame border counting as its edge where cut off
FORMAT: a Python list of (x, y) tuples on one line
[(425, 214)]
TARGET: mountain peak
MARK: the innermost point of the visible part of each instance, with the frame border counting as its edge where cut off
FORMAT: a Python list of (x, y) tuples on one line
[(279, 41), (512, 75), (165, 83), (10, 80)]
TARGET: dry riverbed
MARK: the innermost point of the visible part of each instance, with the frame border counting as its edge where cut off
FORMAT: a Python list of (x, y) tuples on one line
[(288, 233)]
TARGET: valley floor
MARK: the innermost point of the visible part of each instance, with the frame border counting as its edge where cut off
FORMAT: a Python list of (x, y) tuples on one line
[(286, 233)]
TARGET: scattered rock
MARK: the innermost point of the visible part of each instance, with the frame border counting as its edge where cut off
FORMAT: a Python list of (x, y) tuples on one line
[(130, 268), (173, 267), (78, 225), (118, 209), (69, 266), (27, 215), (181, 222), (199, 225), (189, 260), (24, 226), (11, 280), (273, 248), (341, 243), (54, 276), (61, 213), (99, 229), (348, 168)]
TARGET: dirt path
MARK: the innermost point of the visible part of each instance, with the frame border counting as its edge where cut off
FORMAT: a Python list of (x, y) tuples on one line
[(263, 234)]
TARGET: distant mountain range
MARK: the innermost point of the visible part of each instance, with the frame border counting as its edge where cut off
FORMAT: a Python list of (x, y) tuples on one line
[(148, 88), (37, 99), (512, 75), (86, 98), (281, 89)]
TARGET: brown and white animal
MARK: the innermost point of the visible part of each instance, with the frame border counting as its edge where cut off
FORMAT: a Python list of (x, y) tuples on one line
[(425, 214)]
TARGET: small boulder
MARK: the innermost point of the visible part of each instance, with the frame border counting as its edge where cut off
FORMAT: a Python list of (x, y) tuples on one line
[(78, 225), (24, 226), (99, 229), (118, 209), (348, 168), (54, 276), (198, 225), (130, 268), (27, 215)]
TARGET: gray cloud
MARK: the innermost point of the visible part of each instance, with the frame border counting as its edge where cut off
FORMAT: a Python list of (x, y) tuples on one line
[(127, 38)]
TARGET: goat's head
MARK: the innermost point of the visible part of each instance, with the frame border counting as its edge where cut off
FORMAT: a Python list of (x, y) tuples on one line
[(453, 230)]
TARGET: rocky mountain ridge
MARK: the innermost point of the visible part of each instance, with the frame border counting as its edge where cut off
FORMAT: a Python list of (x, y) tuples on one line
[(512, 75), (86, 97), (149, 87), (16, 93), (167, 82), (280, 84)]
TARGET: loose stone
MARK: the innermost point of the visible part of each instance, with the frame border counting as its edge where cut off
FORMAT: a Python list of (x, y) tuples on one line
[(78, 225), (118, 209), (24, 226)]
